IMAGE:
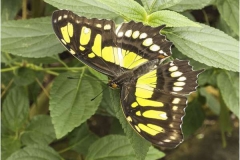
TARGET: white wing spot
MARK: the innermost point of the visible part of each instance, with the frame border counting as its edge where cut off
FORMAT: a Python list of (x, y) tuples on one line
[(173, 68), (129, 119), (143, 35), (137, 128), (72, 51), (59, 18), (176, 100), (154, 47), (179, 84), (135, 34), (174, 108), (176, 74), (176, 89), (163, 116), (128, 33), (167, 140), (65, 16), (182, 78), (63, 41), (86, 30), (107, 27), (98, 25), (147, 42), (120, 34)]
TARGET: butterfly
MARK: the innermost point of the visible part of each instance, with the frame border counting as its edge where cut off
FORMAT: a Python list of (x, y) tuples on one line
[(153, 94)]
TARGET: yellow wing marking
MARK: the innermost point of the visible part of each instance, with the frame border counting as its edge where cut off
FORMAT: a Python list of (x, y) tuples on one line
[(134, 104), (91, 55), (110, 54), (85, 35), (97, 46), (131, 59), (140, 92), (67, 32), (138, 113), (155, 127), (149, 79), (146, 102), (155, 114), (147, 129)]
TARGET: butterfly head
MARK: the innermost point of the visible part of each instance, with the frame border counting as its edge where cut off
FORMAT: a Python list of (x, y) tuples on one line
[(113, 84)]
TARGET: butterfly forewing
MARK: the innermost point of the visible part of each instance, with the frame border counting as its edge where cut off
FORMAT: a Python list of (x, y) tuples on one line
[(89, 40), (140, 43), (154, 107)]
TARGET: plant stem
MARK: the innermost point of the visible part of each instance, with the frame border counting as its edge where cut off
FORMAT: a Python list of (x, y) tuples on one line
[(10, 69), (24, 9)]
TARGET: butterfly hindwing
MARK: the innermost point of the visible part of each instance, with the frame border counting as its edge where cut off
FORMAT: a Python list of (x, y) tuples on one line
[(156, 112)]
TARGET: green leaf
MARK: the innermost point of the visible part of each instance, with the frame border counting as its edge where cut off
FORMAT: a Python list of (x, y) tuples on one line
[(24, 76), (117, 147), (70, 101), (190, 5), (116, 127), (156, 5), (229, 11), (98, 75), (223, 26), (35, 152), (106, 105), (139, 144), (153, 153), (206, 45), (228, 84), (170, 18), (208, 77), (9, 9), (196, 65), (9, 144), (15, 109), (111, 147), (30, 38), (81, 139), (129, 10), (193, 119), (39, 131), (211, 101), (90, 9)]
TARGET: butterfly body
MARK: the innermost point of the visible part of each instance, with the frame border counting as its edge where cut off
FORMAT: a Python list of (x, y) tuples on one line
[(152, 93), (130, 76)]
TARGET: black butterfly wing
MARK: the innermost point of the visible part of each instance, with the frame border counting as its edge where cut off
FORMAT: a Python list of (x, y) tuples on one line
[(89, 40), (154, 104), (140, 43)]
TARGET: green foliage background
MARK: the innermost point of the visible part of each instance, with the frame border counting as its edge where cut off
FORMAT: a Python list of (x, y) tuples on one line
[(46, 115)]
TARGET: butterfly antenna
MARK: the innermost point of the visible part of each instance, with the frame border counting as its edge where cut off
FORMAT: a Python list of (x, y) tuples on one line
[(99, 93)]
